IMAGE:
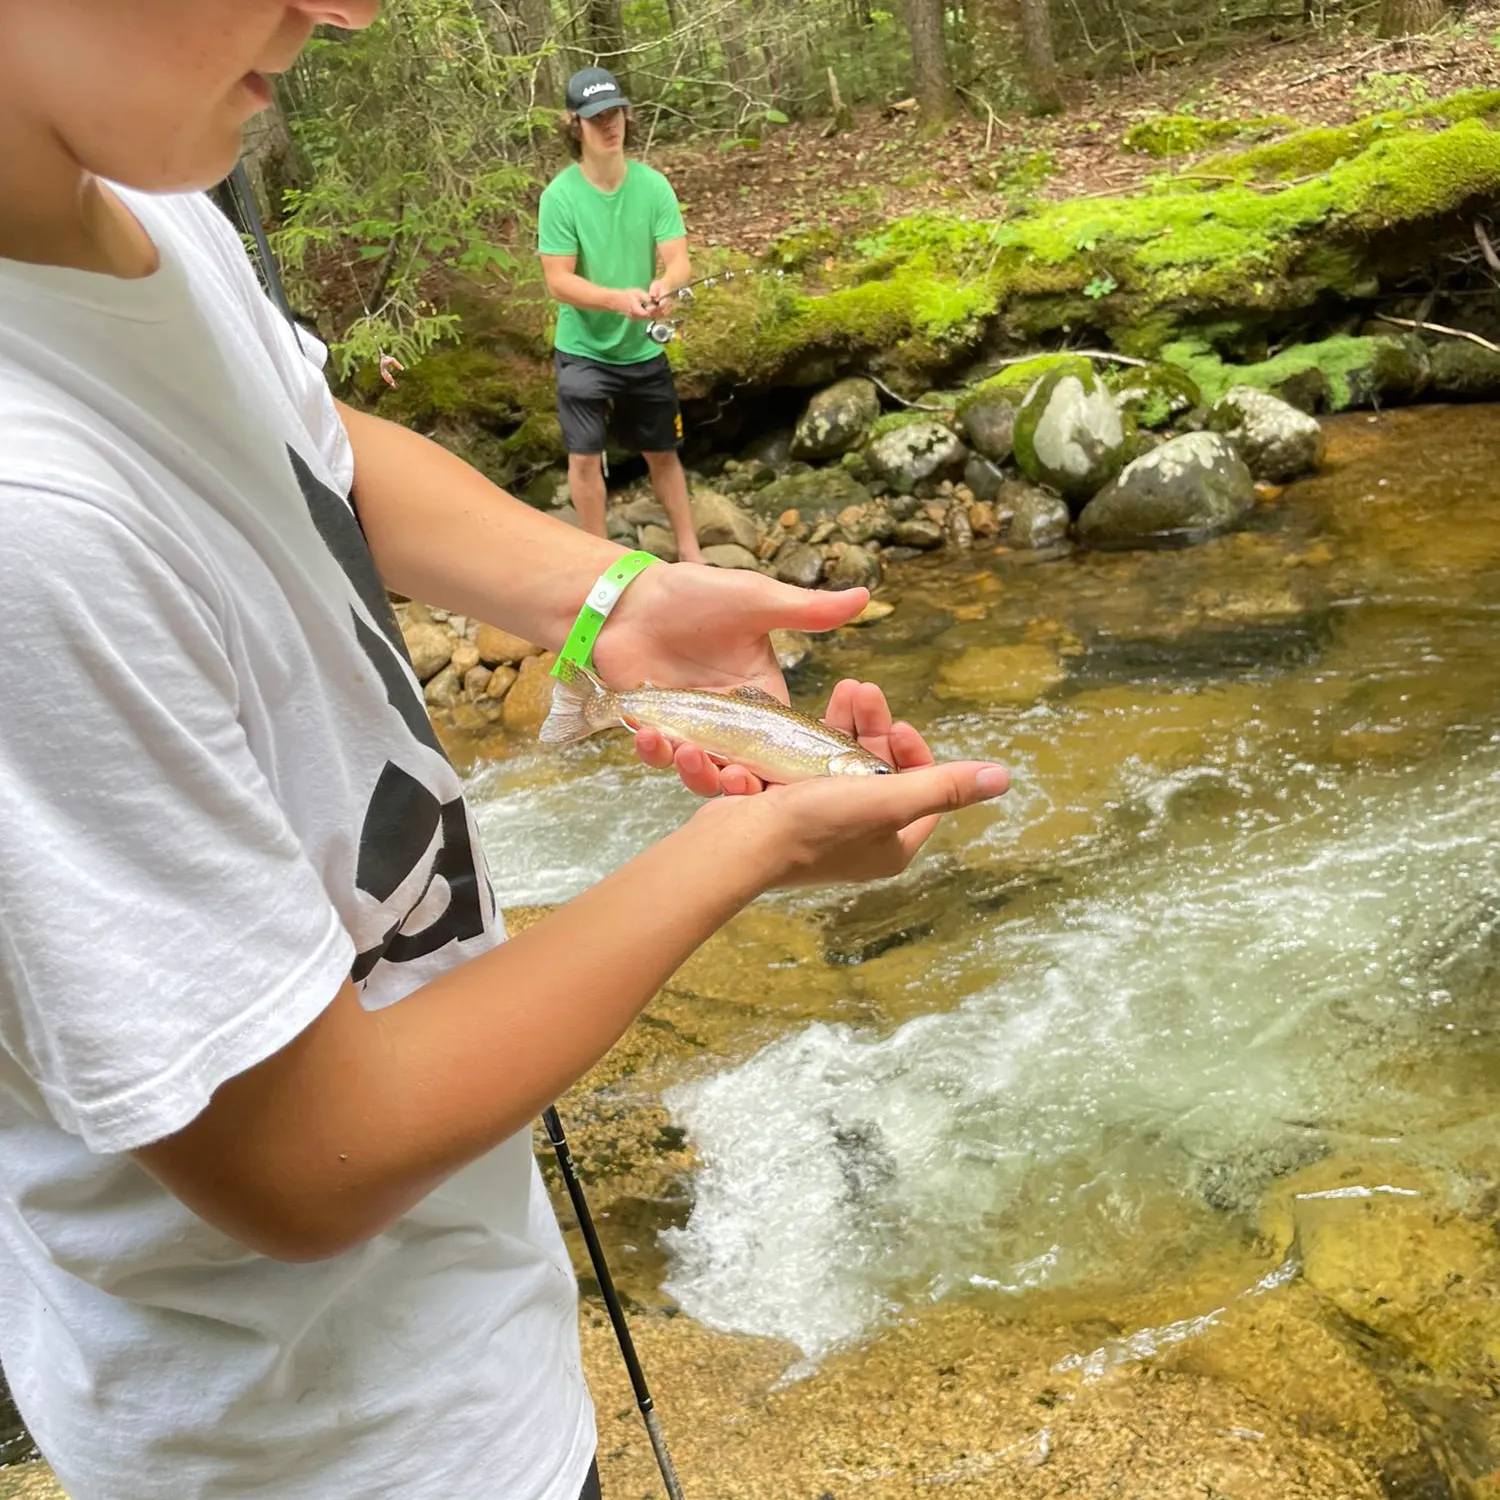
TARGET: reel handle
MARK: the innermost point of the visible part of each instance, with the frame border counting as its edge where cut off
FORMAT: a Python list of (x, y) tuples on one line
[(660, 333)]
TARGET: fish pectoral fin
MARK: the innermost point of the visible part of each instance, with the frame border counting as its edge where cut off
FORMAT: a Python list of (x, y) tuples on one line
[(749, 693)]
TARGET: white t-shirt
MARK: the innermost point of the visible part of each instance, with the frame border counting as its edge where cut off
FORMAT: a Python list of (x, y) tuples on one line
[(219, 796)]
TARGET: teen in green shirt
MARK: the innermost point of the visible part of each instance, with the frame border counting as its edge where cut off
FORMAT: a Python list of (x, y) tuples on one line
[(604, 224)]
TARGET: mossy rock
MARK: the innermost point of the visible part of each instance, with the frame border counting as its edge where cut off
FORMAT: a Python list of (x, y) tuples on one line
[(1356, 372), (1185, 135), (1465, 371), (1014, 382), (467, 384), (829, 489), (1069, 434), (1154, 396)]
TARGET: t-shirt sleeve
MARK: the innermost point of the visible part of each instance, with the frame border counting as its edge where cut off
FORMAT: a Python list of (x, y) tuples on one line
[(669, 225), (555, 230), (163, 927)]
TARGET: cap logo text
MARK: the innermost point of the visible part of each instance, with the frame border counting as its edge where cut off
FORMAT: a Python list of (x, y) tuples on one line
[(598, 88)]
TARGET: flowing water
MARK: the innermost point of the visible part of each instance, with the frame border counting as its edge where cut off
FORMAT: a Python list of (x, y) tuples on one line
[(1240, 912)]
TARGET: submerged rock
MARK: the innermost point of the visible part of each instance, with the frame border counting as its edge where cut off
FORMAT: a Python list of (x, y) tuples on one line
[(990, 426), (1277, 441), (920, 532), (528, 701), (792, 648), (1069, 435), (836, 419), (918, 451), (1187, 490)]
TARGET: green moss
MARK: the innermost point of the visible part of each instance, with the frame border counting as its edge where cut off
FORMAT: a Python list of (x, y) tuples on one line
[(893, 421), (1183, 135), (1355, 369), (1324, 147), (468, 383), (1153, 396), (1014, 381)]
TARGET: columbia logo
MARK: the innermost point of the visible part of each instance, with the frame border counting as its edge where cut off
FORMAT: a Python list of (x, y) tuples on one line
[(598, 88)]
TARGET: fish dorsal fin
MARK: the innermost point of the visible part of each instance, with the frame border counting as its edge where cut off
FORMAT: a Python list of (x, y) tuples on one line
[(749, 693)]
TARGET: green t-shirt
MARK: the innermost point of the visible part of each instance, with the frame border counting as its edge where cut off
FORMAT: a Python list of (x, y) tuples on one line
[(614, 235)]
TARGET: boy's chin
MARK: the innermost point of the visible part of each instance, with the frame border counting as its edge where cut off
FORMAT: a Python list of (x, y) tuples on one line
[(205, 165)]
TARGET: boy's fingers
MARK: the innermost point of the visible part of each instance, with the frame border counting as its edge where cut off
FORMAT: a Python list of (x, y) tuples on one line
[(738, 782), (699, 774), (933, 790), (909, 751), (872, 714), (840, 712), (653, 750)]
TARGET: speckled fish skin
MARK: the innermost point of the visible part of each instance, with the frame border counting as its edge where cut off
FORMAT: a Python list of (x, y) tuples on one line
[(746, 727)]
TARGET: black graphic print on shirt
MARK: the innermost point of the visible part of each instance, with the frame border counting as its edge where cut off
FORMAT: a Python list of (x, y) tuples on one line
[(403, 816)]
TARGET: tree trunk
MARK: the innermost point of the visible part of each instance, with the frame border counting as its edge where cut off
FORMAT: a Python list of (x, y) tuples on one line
[(929, 61), (607, 37), (538, 28), (1410, 17), (270, 157), (1041, 60)]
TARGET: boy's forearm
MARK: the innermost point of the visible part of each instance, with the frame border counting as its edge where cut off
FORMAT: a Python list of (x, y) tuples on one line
[(443, 533), (323, 1145), (570, 287)]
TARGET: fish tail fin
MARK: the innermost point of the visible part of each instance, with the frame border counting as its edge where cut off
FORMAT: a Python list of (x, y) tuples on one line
[(578, 707)]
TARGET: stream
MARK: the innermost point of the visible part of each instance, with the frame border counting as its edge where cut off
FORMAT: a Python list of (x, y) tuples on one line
[(1239, 914)]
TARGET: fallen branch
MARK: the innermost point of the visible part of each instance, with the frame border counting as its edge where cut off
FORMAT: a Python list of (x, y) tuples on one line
[(1453, 333), (896, 396), (1486, 248), (1344, 67), (1119, 359)]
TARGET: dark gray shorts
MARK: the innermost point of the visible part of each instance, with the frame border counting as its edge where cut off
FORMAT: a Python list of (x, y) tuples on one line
[(641, 399), (590, 1489)]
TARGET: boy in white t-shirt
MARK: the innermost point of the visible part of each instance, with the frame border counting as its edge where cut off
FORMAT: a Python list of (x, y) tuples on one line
[(269, 1221)]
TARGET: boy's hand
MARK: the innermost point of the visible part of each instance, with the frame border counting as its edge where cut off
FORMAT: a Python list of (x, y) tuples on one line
[(658, 292), (836, 829), (634, 303), (685, 626)]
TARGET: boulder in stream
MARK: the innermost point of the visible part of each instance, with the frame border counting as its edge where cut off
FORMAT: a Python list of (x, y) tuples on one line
[(816, 491), (1187, 490), (983, 477), (837, 419), (852, 567), (1069, 433), (907, 455), (1277, 441), (731, 555), (1465, 370)]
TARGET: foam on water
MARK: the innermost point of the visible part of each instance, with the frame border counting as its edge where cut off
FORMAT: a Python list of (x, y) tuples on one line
[(1190, 1020)]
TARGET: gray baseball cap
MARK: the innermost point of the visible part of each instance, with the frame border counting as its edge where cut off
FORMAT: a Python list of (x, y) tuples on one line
[(593, 90)]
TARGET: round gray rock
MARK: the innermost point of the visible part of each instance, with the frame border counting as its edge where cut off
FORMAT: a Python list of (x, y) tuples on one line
[(852, 567), (1187, 490), (800, 564), (837, 419), (1038, 518), (983, 478), (990, 426), (919, 532), (727, 555), (907, 455), (720, 522), (1069, 435), (1277, 441)]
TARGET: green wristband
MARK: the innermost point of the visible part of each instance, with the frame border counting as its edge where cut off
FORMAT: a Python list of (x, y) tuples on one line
[(578, 649)]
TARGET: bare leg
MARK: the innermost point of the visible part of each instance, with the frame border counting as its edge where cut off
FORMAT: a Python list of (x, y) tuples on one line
[(670, 484), (586, 485)]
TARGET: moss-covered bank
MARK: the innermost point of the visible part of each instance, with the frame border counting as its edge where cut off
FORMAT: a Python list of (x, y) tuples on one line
[(1280, 242)]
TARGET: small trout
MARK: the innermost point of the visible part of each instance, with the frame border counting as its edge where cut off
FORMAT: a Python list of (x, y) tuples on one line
[(747, 727)]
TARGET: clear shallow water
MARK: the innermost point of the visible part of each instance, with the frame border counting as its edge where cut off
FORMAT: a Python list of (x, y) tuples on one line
[(1252, 840)]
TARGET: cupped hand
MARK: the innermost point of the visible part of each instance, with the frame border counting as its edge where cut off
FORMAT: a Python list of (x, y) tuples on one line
[(857, 708), (684, 625), (838, 829)]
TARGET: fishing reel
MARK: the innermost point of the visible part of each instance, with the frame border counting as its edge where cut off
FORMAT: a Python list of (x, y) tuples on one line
[(664, 330)]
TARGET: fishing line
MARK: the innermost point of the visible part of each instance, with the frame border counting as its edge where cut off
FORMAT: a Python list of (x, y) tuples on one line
[(250, 224)]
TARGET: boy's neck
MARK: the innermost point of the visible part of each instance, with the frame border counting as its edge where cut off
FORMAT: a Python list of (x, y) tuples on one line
[(53, 213), (605, 170)]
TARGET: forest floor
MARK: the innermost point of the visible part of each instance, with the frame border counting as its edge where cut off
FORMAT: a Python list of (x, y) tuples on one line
[(743, 198)]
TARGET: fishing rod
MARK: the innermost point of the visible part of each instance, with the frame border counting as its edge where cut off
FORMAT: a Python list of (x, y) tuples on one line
[(248, 214), (664, 330)]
